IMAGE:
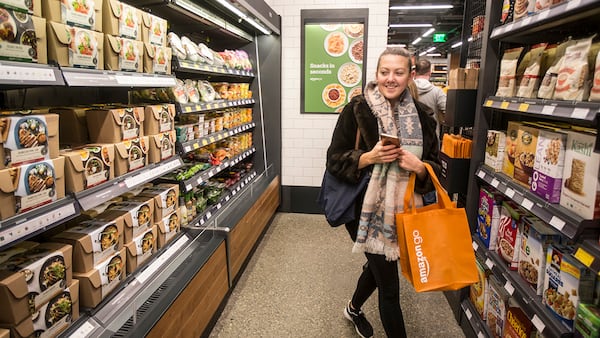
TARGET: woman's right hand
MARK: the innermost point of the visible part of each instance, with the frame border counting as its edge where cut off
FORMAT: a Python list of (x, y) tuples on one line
[(379, 154)]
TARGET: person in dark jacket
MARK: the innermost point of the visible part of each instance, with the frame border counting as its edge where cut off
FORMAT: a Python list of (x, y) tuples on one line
[(385, 107)]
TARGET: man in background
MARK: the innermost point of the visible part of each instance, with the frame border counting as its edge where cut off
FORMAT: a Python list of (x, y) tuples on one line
[(431, 95)]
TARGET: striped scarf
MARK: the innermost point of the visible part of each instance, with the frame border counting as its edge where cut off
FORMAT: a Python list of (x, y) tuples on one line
[(385, 192)]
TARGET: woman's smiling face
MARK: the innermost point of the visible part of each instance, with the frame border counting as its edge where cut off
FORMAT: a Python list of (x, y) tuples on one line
[(393, 75)]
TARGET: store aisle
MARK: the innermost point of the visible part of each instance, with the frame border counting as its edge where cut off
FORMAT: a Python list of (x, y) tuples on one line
[(299, 280)]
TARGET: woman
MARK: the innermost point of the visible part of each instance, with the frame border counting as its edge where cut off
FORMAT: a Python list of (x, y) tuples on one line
[(385, 107)]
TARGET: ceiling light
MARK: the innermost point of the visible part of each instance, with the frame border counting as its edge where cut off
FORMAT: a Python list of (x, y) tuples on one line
[(416, 41), (410, 25), (243, 16), (429, 31), (258, 26), (189, 8), (422, 53), (434, 54), (401, 45), (430, 50), (421, 7), (456, 44)]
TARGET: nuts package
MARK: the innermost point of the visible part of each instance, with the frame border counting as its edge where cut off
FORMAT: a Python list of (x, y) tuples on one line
[(530, 79), (554, 61), (525, 153), (494, 149), (488, 216), (508, 72), (510, 149), (497, 307), (573, 72), (548, 165)]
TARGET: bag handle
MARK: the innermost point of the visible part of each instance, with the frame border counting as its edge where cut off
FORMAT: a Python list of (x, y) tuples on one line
[(409, 196)]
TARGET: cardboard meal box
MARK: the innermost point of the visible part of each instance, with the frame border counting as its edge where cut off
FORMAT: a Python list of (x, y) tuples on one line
[(81, 13), (33, 7), (139, 216), (525, 154), (53, 317), (16, 249), (517, 324), (30, 186), (536, 236), (24, 37), (587, 322), (30, 279), (99, 282), (509, 237), (115, 124), (157, 59), (93, 242), (75, 47), (159, 118), (28, 138), (119, 19), (549, 165), (88, 166), (488, 216), (168, 228), (154, 29), (510, 150), (141, 248), (580, 192), (162, 146), (498, 299), (166, 199), (131, 155), (567, 283), (494, 149), (72, 119), (122, 54)]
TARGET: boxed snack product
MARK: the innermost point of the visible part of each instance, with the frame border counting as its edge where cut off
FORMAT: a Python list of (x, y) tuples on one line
[(154, 29), (115, 124), (497, 307), (131, 155), (122, 20), (27, 139), (93, 242), (168, 227), (141, 248), (139, 216), (122, 54), (53, 317), (157, 59), (494, 149), (509, 237), (100, 281), (85, 14), (510, 150), (525, 153), (30, 186), (23, 37), (517, 324), (166, 199), (567, 283), (478, 292), (587, 322), (548, 165), (162, 146), (536, 236), (88, 166), (159, 118), (73, 120), (75, 47), (32, 278), (33, 7), (488, 218), (580, 192)]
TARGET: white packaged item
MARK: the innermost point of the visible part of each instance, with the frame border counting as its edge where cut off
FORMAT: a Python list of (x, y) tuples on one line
[(494, 149), (530, 79), (508, 72), (573, 72), (595, 91)]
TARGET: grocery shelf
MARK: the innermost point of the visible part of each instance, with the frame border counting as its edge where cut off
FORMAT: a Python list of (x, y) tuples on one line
[(588, 253), (36, 221), (92, 197), (562, 219), (183, 108), (479, 327), (29, 74), (79, 77), (531, 304), (573, 11), (185, 147), (203, 68), (581, 112)]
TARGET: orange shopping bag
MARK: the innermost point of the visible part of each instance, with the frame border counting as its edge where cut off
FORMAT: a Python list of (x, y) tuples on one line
[(436, 253)]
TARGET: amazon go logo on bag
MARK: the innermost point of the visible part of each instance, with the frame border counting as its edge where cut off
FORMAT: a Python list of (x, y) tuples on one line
[(421, 258)]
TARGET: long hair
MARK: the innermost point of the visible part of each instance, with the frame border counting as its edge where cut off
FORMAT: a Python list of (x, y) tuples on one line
[(396, 51)]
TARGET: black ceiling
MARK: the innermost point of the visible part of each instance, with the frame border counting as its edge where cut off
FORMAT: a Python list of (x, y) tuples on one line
[(447, 21)]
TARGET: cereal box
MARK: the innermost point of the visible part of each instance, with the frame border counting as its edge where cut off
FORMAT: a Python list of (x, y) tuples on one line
[(488, 216), (517, 324), (549, 164), (567, 283), (497, 306), (580, 192), (587, 322), (508, 164), (535, 238), (478, 292), (494, 149), (525, 154), (509, 238)]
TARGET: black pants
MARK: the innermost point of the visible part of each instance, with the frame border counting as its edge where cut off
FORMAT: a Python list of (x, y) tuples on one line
[(383, 275)]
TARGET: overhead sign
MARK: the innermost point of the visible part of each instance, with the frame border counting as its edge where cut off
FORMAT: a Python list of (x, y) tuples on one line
[(439, 37)]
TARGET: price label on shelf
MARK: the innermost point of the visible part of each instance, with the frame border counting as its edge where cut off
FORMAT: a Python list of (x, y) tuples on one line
[(580, 113), (548, 110), (27, 74), (475, 245), (495, 183), (481, 174), (509, 288), (538, 323), (489, 103), (543, 15), (187, 149), (489, 263), (504, 104), (84, 330), (481, 335), (558, 223), (573, 4), (526, 21), (527, 204), (468, 313), (584, 257), (524, 107), (510, 193)]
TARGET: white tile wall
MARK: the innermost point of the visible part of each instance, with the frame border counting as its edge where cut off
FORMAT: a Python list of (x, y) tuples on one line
[(305, 137)]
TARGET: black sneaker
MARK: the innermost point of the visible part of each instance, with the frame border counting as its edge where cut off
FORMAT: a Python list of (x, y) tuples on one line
[(361, 324)]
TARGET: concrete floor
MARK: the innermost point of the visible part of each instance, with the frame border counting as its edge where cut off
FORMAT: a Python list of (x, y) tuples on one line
[(301, 277)]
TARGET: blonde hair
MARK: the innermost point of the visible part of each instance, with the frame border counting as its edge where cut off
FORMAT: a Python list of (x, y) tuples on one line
[(396, 51)]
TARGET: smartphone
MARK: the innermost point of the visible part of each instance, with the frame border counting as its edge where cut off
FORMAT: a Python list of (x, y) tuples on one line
[(390, 139)]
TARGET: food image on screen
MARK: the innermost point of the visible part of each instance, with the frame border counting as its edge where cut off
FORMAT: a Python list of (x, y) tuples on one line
[(334, 95), (354, 92), (349, 74), (336, 44), (355, 52), (330, 27), (354, 30)]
